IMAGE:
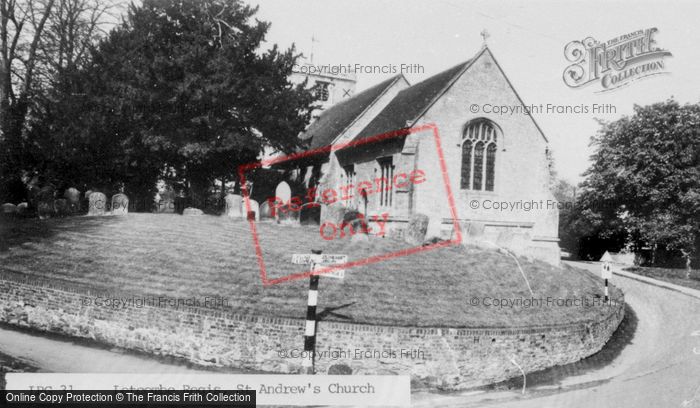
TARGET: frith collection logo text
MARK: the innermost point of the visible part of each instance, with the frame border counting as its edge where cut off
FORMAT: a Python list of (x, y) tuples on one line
[(614, 63)]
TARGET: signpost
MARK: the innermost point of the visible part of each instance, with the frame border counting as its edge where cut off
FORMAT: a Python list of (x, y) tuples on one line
[(606, 274), (315, 259), (322, 260)]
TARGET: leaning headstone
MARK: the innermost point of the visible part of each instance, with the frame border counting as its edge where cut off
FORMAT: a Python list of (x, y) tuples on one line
[(310, 214), (61, 207), (72, 195), (8, 209), (192, 211), (120, 204), (97, 202), (417, 228), (266, 210), (434, 229), (233, 205), (45, 202)]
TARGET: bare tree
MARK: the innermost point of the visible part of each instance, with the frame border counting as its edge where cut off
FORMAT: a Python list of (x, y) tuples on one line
[(40, 40), (21, 26)]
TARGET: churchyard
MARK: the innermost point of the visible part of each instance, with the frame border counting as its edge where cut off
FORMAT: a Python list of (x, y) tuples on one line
[(206, 256)]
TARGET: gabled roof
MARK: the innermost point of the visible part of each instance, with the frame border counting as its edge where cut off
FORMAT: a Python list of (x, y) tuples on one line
[(339, 117), (618, 258), (412, 103)]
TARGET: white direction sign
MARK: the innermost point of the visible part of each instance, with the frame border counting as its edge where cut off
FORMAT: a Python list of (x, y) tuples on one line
[(607, 270), (319, 260)]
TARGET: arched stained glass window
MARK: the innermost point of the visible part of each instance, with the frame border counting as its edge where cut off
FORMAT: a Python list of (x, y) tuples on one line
[(479, 156)]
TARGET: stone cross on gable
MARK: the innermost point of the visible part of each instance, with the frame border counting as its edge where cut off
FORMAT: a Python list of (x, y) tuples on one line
[(485, 35)]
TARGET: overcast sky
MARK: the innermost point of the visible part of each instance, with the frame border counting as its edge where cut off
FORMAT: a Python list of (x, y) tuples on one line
[(526, 37)]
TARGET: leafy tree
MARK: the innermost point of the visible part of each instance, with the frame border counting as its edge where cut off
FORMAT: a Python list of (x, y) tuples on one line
[(40, 40), (195, 90), (645, 179)]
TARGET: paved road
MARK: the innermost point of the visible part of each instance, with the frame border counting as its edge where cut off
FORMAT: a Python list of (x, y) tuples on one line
[(62, 355), (659, 369)]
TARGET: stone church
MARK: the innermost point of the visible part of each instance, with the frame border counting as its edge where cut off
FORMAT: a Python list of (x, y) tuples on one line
[(491, 159)]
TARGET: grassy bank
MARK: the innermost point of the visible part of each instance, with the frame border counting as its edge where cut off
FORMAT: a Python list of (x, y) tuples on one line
[(177, 257)]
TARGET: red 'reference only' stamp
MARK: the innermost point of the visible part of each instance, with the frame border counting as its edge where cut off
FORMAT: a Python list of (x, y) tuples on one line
[(362, 188)]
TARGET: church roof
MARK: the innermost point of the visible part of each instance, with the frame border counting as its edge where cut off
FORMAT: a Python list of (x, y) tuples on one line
[(411, 102), (332, 122)]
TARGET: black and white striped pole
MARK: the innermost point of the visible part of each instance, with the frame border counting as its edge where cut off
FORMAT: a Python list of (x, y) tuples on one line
[(607, 274), (310, 331)]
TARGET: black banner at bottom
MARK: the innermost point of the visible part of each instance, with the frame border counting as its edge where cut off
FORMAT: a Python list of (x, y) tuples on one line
[(113, 398)]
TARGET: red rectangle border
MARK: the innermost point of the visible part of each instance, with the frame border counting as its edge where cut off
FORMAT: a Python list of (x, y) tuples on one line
[(456, 240)]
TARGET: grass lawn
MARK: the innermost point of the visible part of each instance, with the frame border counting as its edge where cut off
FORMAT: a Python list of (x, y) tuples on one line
[(675, 276), (185, 257)]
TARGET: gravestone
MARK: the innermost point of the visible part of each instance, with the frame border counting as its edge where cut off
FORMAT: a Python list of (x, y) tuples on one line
[(192, 211), (97, 202), (266, 210), (233, 205), (9, 209), (310, 214), (213, 204), (254, 208), (473, 234), (339, 369), (45, 202), (434, 229), (22, 208), (475, 229), (288, 217), (417, 228), (61, 207), (72, 195), (166, 204), (283, 192), (120, 204)]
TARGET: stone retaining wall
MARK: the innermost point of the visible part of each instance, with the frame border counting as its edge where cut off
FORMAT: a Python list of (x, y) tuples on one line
[(446, 358)]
